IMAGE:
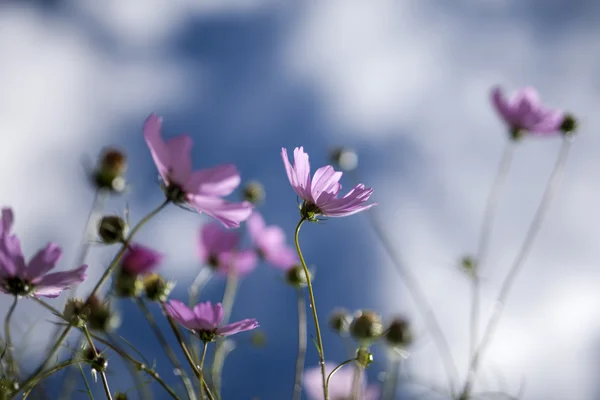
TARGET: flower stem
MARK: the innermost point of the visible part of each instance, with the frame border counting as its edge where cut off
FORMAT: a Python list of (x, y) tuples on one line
[(12, 365), (104, 277), (484, 241), (336, 369), (202, 368), (314, 310), (165, 345), (356, 380), (96, 354), (300, 358), (534, 228), (28, 386)]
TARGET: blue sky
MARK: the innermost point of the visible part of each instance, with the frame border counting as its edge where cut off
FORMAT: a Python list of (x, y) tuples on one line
[(404, 82)]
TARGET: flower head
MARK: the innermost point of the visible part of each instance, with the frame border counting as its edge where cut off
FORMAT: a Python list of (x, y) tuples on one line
[(204, 320), (270, 242), (340, 384), (22, 279), (140, 260), (320, 195), (218, 249), (200, 189), (524, 112)]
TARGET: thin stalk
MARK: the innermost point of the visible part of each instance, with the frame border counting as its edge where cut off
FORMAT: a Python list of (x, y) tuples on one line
[(420, 299), (301, 357), (96, 354), (28, 386), (392, 375), (336, 369), (104, 277), (165, 345), (13, 368), (202, 369), (484, 240), (314, 310), (356, 393), (534, 228)]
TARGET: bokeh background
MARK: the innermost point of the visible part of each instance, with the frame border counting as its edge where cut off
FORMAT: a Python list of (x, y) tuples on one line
[(406, 83)]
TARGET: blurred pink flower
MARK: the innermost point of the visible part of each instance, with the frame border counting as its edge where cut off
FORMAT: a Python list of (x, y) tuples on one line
[(23, 279), (218, 249), (140, 260), (320, 196), (270, 242), (340, 384), (205, 319), (525, 112), (201, 189)]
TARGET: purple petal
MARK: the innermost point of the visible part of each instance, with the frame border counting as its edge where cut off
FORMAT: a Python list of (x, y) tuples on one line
[(299, 174), (255, 225), (43, 262), (158, 148), (213, 240), (236, 327), (283, 257), (7, 266), (208, 315), (180, 158), (140, 260), (325, 180), (240, 263), (7, 221), (52, 285), (218, 181), (351, 203), (181, 313), (229, 214)]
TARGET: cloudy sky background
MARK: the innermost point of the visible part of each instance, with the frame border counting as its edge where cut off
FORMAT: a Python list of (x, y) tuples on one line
[(404, 82)]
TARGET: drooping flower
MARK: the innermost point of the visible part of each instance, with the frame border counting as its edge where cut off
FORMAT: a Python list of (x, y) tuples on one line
[(218, 249), (270, 242), (140, 260), (203, 189), (320, 195), (205, 319), (340, 384), (524, 112), (19, 278)]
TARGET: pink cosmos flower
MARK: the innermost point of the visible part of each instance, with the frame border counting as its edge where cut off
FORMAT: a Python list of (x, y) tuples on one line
[(19, 278), (320, 195), (140, 260), (270, 242), (218, 249), (340, 384), (205, 319), (525, 112), (200, 189)]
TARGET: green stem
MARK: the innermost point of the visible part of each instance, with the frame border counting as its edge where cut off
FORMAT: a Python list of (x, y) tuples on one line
[(204, 347), (356, 380), (534, 228), (314, 310), (13, 369), (96, 354), (301, 357), (336, 369), (165, 345), (28, 386)]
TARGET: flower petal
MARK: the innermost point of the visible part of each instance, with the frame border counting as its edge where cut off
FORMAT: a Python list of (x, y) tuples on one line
[(43, 261), (236, 327), (213, 240), (325, 180), (218, 181), (158, 148), (240, 263), (299, 174), (255, 225), (180, 159), (208, 316), (7, 221), (229, 214), (140, 259), (52, 285), (181, 313)]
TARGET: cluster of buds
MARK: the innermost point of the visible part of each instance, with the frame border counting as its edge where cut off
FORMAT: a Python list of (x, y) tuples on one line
[(110, 170)]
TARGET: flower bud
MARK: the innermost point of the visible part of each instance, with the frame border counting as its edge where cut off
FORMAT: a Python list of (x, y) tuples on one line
[(157, 288), (398, 333), (569, 125), (76, 312), (102, 317), (344, 158), (111, 168), (121, 396), (8, 387), (366, 326), (254, 192), (258, 339), (112, 229), (469, 265), (364, 357), (340, 321), (128, 285), (295, 276)]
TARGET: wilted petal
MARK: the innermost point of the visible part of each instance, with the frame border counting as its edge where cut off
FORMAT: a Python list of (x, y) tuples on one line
[(218, 181), (52, 285), (229, 214), (43, 261), (236, 327)]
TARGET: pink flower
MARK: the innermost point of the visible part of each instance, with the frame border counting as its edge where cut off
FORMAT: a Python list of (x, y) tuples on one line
[(23, 279), (525, 112), (200, 189), (205, 319), (140, 260), (270, 242), (340, 384), (320, 196), (218, 249)]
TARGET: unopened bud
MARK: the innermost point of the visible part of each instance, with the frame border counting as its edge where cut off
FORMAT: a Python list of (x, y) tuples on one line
[(102, 317), (111, 168), (366, 326), (344, 158), (99, 363), (569, 125), (398, 333), (128, 285), (157, 288), (76, 312), (121, 396), (254, 192), (364, 357), (340, 321), (112, 229), (295, 276)]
